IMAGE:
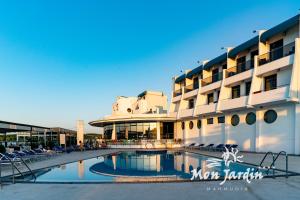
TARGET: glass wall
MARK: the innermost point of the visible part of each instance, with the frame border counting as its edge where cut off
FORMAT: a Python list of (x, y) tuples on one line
[(136, 131), (108, 131)]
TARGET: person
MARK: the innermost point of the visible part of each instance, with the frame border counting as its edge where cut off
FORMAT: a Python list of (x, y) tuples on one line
[(80, 146)]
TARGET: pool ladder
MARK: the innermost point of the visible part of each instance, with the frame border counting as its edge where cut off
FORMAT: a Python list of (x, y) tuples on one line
[(13, 167), (275, 156)]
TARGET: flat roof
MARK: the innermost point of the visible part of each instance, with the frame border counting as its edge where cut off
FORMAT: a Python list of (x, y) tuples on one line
[(6, 127), (132, 118)]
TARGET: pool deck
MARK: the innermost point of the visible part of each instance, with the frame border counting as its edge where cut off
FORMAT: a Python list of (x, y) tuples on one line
[(268, 188)]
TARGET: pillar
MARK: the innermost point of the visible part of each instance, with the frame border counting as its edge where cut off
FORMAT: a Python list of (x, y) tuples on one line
[(80, 131), (114, 135), (158, 131)]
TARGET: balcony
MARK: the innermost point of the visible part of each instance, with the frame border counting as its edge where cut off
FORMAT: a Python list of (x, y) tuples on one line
[(172, 114), (278, 95), (190, 90), (186, 113), (239, 73), (177, 95), (206, 109), (211, 83), (276, 59), (233, 104)]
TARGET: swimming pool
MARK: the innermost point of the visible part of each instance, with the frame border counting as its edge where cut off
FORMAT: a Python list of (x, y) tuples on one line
[(136, 166)]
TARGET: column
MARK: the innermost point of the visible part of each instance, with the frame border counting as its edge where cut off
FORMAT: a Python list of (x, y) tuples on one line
[(114, 135), (158, 131)]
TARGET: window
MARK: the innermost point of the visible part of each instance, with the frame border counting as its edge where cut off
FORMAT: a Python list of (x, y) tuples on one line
[(224, 66), (167, 131), (271, 82), (221, 119), (235, 120), (191, 103), (241, 64), (248, 87), (276, 50), (236, 92), (196, 83), (182, 125), (215, 75), (270, 116), (210, 98), (210, 120), (218, 95), (250, 118), (199, 124), (191, 125)]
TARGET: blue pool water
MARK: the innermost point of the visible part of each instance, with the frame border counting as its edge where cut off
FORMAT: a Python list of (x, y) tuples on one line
[(133, 166)]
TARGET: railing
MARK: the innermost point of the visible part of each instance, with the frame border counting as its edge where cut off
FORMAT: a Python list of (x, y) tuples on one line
[(241, 67), (141, 142), (276, 54), (177, 93), (270, 89), (191, 87), (212, 79)]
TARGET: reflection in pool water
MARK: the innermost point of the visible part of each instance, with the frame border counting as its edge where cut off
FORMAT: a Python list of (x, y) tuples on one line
[(134, 166)]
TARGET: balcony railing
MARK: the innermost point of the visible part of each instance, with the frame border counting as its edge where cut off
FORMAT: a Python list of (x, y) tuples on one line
[(177, 93), (212, 79), (276, 54), (191, 87), (241, 67)]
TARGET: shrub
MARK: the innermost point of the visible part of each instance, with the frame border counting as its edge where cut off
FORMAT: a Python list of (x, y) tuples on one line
[(2, 149)]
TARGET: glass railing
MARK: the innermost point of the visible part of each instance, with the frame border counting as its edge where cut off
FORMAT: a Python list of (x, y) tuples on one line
[(276, 54), (239, 68), (212, 79), (191, 87), (177, 93)]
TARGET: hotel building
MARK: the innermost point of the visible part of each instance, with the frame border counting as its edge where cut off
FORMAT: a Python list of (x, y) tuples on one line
[(247, 96), (139, 122)]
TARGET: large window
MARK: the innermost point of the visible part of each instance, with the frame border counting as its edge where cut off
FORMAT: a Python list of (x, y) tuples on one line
[(167, 131), (270, 82), (236, 92), (108, 131), (134, 131), (210, 98)]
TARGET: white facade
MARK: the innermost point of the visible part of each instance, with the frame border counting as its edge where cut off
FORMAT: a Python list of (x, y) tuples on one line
[(257, 76)]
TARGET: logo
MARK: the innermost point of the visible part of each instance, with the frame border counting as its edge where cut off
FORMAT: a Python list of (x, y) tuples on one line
[(229, 157)]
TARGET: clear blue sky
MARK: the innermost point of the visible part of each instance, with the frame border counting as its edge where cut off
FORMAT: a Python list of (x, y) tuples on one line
[(66, 60)]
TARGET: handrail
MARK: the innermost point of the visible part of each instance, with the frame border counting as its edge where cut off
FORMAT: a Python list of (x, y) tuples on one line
[(32, 174), (276, 53), (12, 165), (286, 161), (272, 165), (262, 161)]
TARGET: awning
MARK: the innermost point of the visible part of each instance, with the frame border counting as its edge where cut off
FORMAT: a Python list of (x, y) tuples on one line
[(279, 28), (195, 71), (180, 78), (244, 46), (215, 61)]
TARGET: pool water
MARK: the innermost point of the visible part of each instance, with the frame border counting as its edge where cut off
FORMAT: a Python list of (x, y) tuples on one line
[(132, 166)]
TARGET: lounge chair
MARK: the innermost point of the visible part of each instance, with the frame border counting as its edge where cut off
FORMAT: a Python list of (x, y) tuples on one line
[(220, 147), (200, 146), (209, 147), (234, 146)]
